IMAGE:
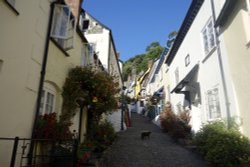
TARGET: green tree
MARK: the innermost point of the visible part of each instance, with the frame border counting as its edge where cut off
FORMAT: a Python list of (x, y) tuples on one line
[(140, 62)]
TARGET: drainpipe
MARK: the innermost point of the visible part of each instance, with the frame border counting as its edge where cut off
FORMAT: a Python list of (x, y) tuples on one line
[(227, 103), (40, 89)]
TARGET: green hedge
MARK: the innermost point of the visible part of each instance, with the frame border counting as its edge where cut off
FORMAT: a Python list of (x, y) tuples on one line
[(222, 147)]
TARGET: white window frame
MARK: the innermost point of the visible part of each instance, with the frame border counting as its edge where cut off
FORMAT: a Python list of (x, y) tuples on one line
[(47, 105), (60, 22), (208, 37), (187, 60), (213, 103), (63, 27)]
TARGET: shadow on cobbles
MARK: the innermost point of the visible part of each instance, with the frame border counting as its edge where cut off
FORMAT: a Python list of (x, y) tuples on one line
[(157, 151)]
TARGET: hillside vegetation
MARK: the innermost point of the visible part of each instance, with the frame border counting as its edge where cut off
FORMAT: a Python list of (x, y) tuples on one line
[(140, 62)]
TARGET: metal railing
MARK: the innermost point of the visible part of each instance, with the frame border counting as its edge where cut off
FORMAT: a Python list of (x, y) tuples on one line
[(45, 152)]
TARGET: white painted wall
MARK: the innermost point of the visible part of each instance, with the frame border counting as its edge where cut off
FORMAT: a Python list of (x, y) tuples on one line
[(209, 74)]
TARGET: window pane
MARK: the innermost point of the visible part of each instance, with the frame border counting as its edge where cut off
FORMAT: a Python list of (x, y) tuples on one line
[(60, 22), (211, 35), (213, 103), (205, 40), (49, 103), (42, 103)]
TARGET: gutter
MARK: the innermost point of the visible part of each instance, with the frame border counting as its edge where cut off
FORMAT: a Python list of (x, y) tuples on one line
[(222, 72), (40, 89)]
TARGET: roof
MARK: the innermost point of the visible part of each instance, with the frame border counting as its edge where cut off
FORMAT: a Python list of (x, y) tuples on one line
[(186, 24)]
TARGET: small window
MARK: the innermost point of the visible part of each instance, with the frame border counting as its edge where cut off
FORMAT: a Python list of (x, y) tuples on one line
[(47, 103), (83, 23), (208, 35), (187, 60), (213, 103), (88, 51), (84, 56)]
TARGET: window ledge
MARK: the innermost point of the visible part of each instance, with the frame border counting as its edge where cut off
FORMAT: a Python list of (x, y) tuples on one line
[(209, 54), (59, 47), (12, 7)]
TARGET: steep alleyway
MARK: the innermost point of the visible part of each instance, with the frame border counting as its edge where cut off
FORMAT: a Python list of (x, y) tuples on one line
[(158, 151)]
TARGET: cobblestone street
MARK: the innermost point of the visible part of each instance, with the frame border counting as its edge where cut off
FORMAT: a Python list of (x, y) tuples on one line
[(158, 151)]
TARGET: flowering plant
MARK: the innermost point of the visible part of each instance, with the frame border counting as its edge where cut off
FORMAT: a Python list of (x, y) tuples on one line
[(48, 127), (98, 89)]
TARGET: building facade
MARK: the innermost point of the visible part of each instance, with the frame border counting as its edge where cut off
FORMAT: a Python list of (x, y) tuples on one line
[(198, 73), (233, 23)]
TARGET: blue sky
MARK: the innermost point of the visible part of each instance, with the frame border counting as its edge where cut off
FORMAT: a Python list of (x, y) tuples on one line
[(135, 24)]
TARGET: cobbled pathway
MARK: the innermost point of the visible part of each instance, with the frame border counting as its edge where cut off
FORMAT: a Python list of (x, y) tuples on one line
[(158, 151)]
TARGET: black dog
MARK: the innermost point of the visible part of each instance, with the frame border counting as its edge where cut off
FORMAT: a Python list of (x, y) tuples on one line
[(145, 134)]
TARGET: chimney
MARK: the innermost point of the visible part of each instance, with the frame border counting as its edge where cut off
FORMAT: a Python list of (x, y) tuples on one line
[(118, 55)]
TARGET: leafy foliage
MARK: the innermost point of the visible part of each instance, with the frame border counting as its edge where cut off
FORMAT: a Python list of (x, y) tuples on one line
[(153, 52), (140, 62), (102, 135), (48, 127), (96, 89), (223, 147), (176, 125)]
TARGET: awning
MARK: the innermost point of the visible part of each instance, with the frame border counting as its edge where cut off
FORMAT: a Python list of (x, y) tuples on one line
[(186, 80)]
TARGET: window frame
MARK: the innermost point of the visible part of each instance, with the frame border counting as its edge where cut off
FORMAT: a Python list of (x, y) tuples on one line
[(45, 102), (187, 60), (208, 37), (63, 36), (213, 104)]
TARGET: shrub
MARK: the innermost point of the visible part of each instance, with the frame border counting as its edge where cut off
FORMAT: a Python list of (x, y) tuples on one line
[(176, 125), (222, 147), (101, 135)]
